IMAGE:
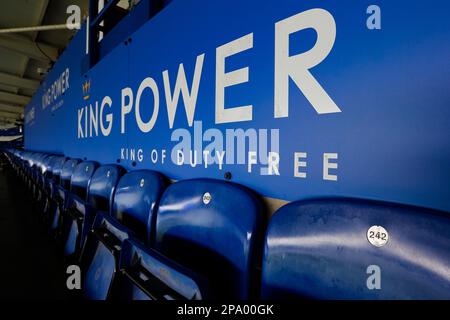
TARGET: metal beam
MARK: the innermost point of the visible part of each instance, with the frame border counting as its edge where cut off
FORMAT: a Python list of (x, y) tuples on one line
[(16, 114), (14, 98), (18, 82), (69, 26), (5, 125), (35, 50), (11, 108), (11, 116)]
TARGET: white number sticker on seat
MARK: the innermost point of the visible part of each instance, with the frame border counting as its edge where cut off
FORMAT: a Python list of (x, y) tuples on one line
[(377, 236)]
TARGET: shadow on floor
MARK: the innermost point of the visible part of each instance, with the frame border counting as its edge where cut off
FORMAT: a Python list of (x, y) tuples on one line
[(30, 265)]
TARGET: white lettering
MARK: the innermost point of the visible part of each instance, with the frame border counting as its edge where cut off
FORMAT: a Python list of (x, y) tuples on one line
[(224, 80), (297, 67)]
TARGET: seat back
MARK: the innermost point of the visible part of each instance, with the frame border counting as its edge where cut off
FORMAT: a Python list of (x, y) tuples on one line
[(81, 178), (51, 180), (45, 164), (62, 190), (67, 171), (34, 164), (102, 186), (136, 201), (55, 167), (38, 158), (44, 171), (332, 249), (38, 165), (214, 228), (100, 195), (31, 158)]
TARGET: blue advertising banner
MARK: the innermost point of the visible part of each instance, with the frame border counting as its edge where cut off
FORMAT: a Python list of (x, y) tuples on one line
[(296, 99)]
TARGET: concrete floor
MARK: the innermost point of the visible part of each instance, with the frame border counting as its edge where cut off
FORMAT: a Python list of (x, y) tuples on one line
[(31, 267)]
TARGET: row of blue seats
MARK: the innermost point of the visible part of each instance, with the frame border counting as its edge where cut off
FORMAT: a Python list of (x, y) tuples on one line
[(136, 236)]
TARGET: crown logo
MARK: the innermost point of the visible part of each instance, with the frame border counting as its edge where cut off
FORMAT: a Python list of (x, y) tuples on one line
[(86, 88)]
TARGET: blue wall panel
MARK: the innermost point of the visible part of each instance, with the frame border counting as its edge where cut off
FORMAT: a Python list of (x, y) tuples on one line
[(93, 145), (391, 138)]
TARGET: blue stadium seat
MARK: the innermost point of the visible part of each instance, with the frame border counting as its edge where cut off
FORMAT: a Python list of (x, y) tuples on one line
[(99, 199), (23, 166), (61, 197), (55, 167), (66, 173), (52, 179), (136, 201), (81, 177), (43, 173), (215, 229), (35, 173), (145, 274), (321, 249), (134, 208), (102, 187), (72, 218)]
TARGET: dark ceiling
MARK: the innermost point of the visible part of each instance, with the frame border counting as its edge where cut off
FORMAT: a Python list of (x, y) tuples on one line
[(22, 54)]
